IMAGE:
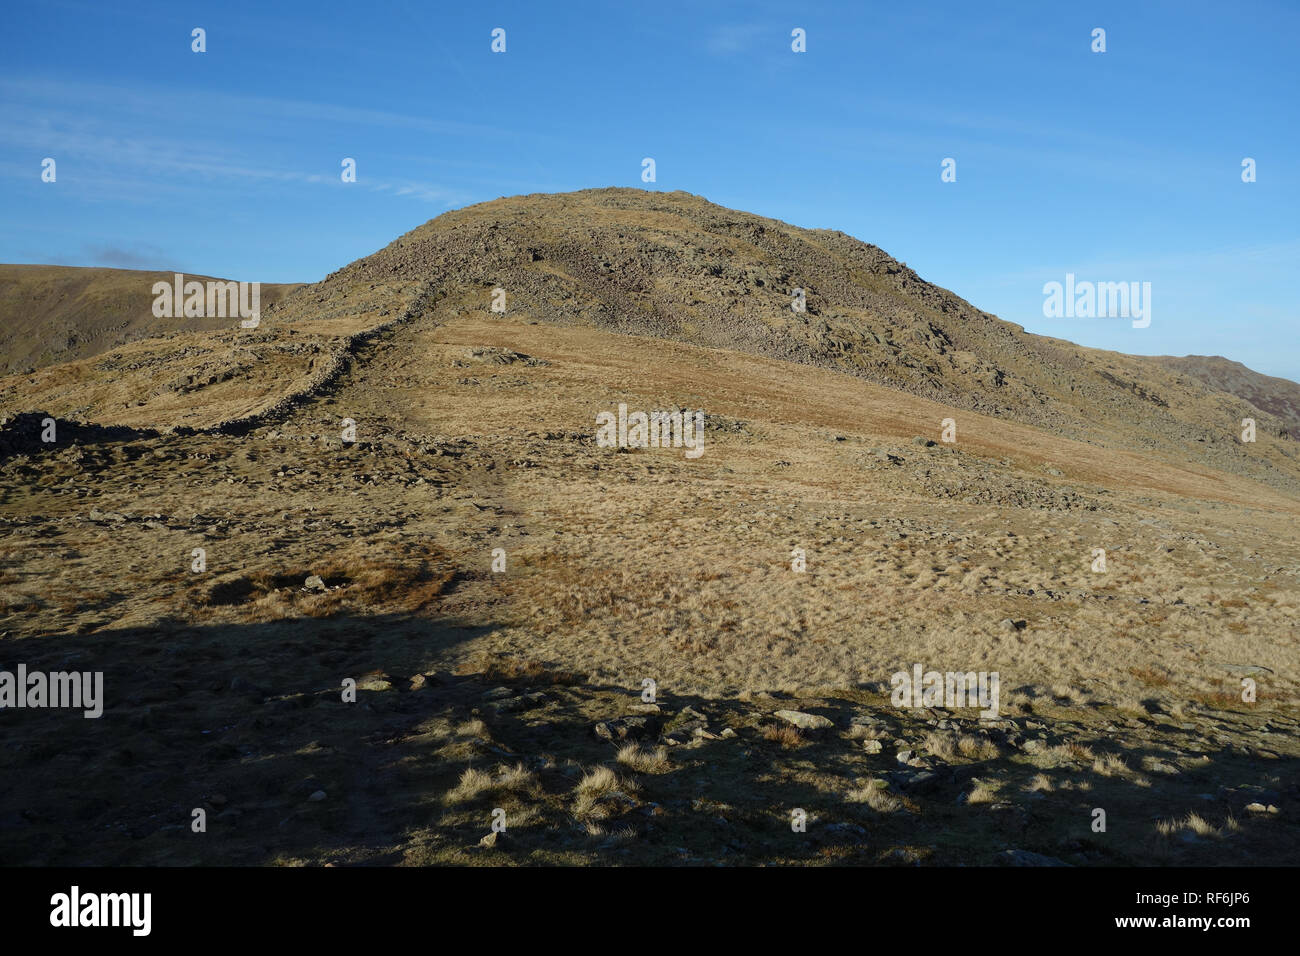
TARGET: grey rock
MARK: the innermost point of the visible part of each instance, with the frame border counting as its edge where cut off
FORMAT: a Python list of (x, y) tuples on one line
[(804, 721)]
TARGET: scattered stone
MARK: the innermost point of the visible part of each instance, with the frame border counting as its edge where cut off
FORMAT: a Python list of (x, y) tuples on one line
[(317, 797), (922, 781), (314, 583), (844, 832), (640, 727), (804, 721)]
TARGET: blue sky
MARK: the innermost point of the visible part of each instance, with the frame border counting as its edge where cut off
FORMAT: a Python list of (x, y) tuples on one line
[(1116, 166)]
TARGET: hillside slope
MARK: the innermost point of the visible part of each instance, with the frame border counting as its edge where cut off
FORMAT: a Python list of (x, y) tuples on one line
[(54, 314), (1277, 396)]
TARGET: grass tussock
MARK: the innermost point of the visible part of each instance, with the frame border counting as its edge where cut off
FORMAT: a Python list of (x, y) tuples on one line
[(876, 795), (641, 760), (786, 736), (475, 782), (1196, 824), (951, 747), (1041, 783), (983, 791), (601, 794), (1073, 752)]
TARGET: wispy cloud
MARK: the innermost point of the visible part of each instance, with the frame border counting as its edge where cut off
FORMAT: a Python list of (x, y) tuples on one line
[(119, 257), (109, 139), (735, 38)]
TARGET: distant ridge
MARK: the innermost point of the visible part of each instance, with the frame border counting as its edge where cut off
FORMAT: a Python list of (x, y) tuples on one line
[(1277, 396), (52, 314)]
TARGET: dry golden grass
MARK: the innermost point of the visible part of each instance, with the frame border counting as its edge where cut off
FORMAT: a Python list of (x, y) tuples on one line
[(516, 778), (874, 793), (641, 760), (1193, 823), (703, 596), (473, 783), (1041, 783), (786, 736), (865, 732), (983, 791), (950, 747), (1111, 765), (598, 792), (1074, 752)]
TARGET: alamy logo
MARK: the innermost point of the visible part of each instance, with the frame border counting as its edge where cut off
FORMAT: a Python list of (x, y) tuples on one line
[(211, 300), (654, 430), (56, 689), (75, 908), (923, 688), (1092, 300)]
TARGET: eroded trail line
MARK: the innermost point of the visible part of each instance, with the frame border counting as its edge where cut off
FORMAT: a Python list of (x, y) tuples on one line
[(352, 348)]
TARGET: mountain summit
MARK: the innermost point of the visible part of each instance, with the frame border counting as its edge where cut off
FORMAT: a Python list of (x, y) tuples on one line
[(674, 266)]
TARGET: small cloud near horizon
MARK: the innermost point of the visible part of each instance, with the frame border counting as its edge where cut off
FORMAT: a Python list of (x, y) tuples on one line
[(734, 38), (120, 258)]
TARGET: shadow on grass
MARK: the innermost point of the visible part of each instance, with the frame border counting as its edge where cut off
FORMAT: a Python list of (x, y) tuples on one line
[(247, 722)]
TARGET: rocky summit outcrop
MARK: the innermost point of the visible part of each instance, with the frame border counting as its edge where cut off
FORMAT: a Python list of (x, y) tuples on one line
[(675, 266)]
